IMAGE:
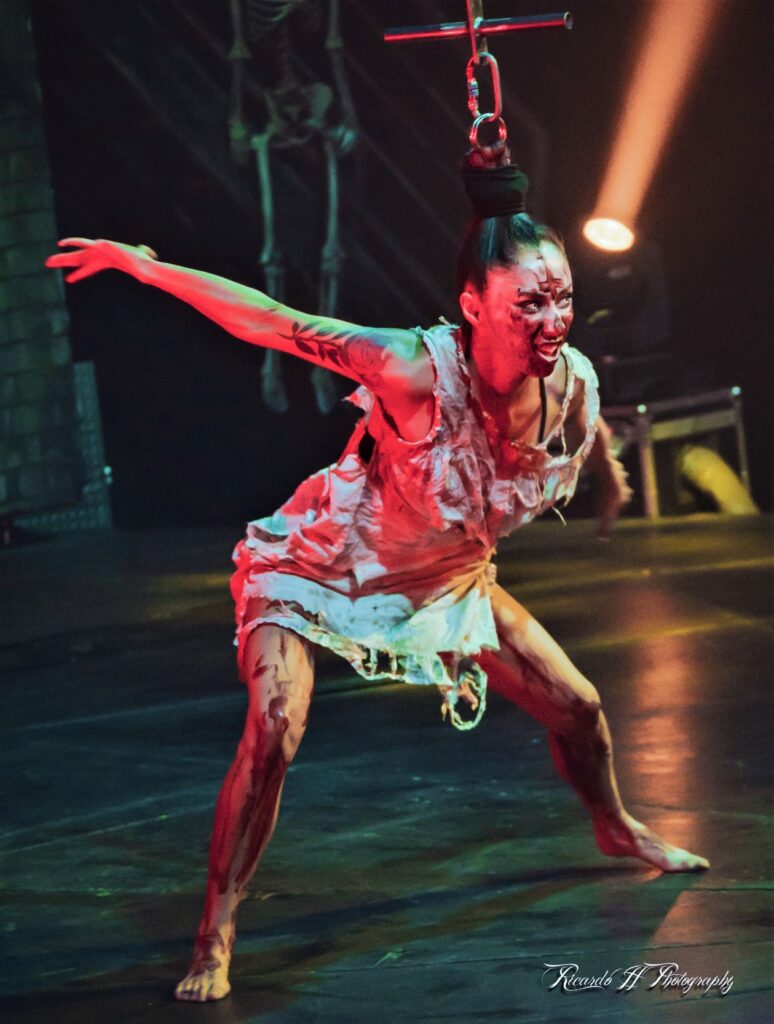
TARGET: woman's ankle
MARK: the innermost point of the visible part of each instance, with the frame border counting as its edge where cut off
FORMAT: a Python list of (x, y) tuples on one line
[(220, 933)]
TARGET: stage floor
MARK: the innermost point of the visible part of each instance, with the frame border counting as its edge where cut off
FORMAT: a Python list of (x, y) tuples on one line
[(417, 874)]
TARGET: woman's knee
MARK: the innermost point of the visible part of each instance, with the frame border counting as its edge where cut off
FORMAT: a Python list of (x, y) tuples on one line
[(584, 709), (589, 698), (280, 678), (274, 731)]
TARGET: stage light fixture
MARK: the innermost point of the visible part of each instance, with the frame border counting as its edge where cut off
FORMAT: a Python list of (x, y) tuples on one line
[(608, 234)]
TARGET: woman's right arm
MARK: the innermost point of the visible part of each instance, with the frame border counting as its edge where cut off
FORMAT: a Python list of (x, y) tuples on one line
[(391, 362)]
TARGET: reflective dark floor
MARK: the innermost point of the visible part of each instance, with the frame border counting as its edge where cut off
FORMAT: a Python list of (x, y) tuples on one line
[(417, 874)]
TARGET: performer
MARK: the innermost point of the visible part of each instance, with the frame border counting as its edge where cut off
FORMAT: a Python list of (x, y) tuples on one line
[(386, 558)]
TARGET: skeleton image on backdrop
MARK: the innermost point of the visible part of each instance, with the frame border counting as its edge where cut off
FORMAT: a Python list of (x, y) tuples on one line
[(295, 111)]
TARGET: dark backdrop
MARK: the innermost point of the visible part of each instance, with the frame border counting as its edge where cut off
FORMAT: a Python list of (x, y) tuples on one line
[(186, 433)]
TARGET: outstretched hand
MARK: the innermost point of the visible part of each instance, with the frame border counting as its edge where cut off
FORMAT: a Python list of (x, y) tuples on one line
[(91, 255)]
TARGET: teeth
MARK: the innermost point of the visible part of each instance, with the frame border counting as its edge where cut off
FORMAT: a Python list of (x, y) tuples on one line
[(549, 354)]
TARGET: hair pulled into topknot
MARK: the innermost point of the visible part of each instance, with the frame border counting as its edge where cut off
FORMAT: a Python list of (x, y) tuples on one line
[(500, 227)]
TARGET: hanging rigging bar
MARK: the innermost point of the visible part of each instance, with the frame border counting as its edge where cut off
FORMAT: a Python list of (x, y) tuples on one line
[(485, 27)]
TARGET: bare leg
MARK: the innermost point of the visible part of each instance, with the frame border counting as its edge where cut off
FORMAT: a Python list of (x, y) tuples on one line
[(280, 676), (534, 672)]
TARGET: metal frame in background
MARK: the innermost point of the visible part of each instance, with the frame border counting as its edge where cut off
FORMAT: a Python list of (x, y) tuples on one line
[(676, 418)]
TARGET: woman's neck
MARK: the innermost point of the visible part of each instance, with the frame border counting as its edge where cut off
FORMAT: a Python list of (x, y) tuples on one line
[(503, 399)]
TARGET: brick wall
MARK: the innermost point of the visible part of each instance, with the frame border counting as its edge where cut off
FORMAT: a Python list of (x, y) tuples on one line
[(42, 466)]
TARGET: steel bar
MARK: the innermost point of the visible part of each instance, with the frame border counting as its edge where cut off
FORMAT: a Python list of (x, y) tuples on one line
[(647, 468), (691, 426), (741, 441), (666, 405), (488, 27)]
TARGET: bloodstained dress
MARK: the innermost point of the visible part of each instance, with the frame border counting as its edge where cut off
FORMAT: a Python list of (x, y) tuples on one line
[(389, 563)]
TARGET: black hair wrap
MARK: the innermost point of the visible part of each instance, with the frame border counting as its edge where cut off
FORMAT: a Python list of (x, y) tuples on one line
[(495, 191)]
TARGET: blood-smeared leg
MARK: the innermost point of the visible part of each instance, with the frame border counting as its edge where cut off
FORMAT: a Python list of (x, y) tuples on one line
[(279, 672), (533, 671)]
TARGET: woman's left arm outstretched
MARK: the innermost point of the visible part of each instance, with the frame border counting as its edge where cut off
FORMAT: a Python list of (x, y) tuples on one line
[(392, 362)]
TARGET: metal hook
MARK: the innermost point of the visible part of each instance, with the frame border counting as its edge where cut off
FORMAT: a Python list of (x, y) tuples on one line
[(473, 88), (475, 18), (474, 24)]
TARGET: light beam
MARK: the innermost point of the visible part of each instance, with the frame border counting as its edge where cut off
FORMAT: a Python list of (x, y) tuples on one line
[(676, 33)]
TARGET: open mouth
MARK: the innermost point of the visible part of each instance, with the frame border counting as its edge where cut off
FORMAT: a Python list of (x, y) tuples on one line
[(549, 350)]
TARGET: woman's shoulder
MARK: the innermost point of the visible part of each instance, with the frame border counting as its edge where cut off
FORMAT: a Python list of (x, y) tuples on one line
[(449, 390), (441, 337), (443, 341), (585, 393)]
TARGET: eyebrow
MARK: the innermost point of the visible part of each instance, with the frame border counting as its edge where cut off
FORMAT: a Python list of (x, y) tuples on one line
[(524, 293)]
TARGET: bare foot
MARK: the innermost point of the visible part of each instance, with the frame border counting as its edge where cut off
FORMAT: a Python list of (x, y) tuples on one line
[(208, 977), (626, 837)]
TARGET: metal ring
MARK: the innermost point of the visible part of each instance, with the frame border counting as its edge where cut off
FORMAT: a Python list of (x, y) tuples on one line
[(502, 130)]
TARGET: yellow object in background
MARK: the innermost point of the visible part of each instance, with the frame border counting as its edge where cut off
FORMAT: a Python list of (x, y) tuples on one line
[(707, 471)]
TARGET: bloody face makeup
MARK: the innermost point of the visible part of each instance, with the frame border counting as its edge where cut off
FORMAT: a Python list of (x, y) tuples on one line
[(522, 319)]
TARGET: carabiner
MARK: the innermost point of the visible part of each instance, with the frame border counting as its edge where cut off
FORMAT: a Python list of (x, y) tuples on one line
[(473, 88)]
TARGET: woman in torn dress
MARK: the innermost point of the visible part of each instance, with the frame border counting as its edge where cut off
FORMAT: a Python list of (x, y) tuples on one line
[(388, 560)]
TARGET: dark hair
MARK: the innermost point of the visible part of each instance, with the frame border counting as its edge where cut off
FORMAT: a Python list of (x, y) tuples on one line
[(495, 242)]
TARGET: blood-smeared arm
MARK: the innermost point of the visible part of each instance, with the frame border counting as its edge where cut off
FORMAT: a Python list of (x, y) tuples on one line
[(390, 361)]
